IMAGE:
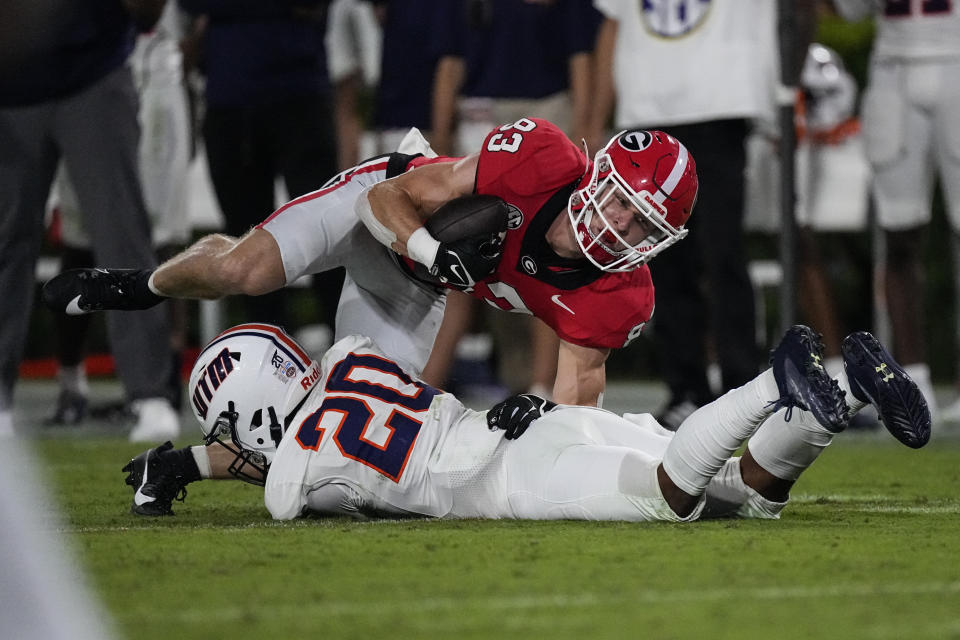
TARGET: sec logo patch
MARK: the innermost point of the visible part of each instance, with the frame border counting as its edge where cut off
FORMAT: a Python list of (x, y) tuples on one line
[(673, 18)]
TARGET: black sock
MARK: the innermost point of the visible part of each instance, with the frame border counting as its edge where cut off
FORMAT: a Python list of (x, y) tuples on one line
[(182, 463), (142, 295)]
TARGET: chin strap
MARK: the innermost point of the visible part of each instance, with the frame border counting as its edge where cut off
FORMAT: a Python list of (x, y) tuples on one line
[(276, 429)]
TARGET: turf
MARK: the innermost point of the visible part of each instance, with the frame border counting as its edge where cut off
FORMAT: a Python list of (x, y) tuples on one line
[(869, 548)]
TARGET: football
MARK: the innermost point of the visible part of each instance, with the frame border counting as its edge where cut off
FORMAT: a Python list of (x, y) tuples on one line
[(464, 217), (467, 216)]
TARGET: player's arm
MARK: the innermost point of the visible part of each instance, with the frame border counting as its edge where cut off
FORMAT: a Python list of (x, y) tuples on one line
[(394, 209), (219, 265), (581, 374)]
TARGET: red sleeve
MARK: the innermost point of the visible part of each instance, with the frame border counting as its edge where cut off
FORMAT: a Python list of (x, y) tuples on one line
[(536, 160)]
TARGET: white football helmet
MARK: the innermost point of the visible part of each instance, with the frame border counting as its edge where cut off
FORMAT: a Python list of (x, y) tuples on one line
[(244, 387), (649, 173)]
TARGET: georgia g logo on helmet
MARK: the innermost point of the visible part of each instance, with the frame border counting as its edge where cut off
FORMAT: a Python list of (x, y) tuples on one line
[(650, 173), (635, 140)]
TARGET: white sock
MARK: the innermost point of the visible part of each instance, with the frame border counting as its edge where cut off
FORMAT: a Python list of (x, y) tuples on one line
[(712, 433), (202, 458), (728, 495), (853, 402), (786, 449), (833, 365), (74, 379)]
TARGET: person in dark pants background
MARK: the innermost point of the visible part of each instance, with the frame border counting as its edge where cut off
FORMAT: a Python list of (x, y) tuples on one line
[(268, 114), (67, 94), (714, 69)]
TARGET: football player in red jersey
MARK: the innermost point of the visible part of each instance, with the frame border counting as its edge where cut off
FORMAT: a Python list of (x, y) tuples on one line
[(580, 233)]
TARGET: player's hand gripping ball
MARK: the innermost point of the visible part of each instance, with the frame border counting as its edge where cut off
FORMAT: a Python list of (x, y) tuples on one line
[(471, 230)]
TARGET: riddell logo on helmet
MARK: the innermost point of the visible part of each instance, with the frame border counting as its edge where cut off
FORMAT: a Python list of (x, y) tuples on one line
[(213, 376), (646, 197), (308, 380)]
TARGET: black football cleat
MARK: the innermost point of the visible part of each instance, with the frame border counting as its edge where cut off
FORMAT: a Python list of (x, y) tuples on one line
[(804, 383), (875, 377), (80, 291), (155, 485)]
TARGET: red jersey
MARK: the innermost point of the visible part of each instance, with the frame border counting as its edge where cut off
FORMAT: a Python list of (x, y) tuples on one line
[(534, 167)]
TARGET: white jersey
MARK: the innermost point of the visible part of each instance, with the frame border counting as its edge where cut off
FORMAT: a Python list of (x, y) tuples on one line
[(371, 442), (164, 150), (909, 30), (679, 63)]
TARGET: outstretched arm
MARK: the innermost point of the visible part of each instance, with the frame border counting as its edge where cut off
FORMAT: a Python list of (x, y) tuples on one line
[(581, 374)]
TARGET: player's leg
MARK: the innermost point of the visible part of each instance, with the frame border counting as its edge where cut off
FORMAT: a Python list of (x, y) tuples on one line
[(380, 301), (710, 436), (899, 137), (307, 235), (759, 483), (457, 318), (947, 152), (561, 469)]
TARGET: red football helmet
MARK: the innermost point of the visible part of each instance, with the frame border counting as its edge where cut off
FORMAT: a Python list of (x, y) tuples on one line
[(634, 200)]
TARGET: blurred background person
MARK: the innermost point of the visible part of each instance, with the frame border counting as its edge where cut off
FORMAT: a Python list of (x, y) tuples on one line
[(268, 113), (911, 121), (408, 63), (164, 155), (66, 93), (700, 75), (502, 60), (354, 43)]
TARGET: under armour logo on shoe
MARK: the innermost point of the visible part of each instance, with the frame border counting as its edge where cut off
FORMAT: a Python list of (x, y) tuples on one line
[(886, 374), (816, 361)]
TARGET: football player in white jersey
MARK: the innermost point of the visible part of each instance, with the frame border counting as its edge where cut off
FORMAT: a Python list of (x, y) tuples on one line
[(911, 123), (354, 434)]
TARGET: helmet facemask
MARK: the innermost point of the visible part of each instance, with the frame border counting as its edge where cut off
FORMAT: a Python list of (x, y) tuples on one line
[(597, 235), (226, 426), (246, 386)]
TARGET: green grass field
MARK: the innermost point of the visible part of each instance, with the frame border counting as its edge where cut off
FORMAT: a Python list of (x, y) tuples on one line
[(870, 548)]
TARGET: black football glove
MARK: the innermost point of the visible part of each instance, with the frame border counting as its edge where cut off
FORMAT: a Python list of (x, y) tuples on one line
[(462, 263), (516, 413)]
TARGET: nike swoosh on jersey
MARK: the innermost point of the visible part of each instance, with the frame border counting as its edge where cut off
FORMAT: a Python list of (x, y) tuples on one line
[(556, 300), (73, 308)]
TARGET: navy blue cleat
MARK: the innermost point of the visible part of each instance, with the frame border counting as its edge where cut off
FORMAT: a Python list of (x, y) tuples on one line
[(804, 383), (155, 485), (875, 377)]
